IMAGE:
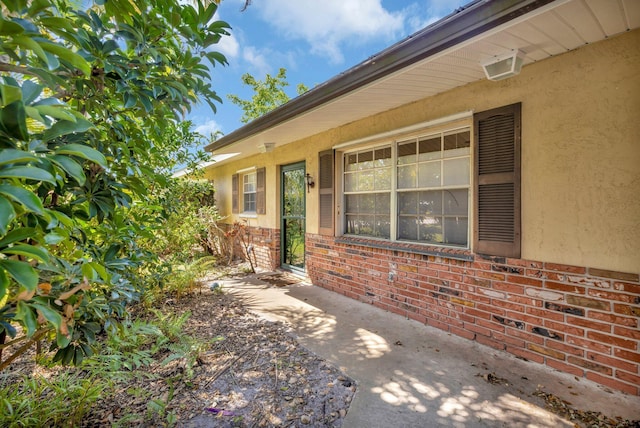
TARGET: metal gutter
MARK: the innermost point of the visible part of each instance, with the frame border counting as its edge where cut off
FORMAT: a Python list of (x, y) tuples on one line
[(469, 21)]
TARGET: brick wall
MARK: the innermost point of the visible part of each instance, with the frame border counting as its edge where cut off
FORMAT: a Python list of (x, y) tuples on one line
[(266, 247), (579, 320)]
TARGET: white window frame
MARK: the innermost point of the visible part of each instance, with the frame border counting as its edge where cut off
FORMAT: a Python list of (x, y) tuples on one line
[(247, 184), (392, 139)]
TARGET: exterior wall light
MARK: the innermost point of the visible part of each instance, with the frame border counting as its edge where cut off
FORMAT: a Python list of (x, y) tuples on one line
[(503, 66), (266, 147), (310, 182)]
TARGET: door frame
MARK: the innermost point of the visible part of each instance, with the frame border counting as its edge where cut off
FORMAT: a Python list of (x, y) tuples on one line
[(285, 168)]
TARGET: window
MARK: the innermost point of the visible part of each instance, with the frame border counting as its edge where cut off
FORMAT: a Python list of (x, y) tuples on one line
[(367, 188), (418, 189), (414, 190), (249, 192)]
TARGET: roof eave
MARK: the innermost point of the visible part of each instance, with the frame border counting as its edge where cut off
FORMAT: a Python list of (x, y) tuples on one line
[(470, 21)]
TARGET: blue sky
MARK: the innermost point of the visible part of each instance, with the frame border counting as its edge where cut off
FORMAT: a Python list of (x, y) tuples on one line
[(313, 39)]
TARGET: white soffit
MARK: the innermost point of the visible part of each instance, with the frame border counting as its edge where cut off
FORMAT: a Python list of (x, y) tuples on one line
[(552, 30)]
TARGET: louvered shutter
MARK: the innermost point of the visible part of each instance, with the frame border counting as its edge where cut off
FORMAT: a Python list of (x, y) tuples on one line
[(325, 188), (497, 181), (234, 194), (260, 191)]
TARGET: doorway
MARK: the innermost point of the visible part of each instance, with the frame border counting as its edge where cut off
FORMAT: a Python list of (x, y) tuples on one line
[(292, 222)]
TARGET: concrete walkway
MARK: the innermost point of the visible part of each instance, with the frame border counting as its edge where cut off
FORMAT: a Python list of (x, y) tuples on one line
[(412, 375)]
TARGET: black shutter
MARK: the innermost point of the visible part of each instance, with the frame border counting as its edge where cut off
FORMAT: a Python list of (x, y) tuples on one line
[(497, 181), (260, 191), (234, 194), (325, 190)]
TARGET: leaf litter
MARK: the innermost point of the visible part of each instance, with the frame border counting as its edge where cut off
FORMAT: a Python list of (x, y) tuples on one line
[(564, 409), (253, 374)]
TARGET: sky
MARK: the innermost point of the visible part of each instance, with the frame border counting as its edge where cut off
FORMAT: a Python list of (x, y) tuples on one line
[(314, 40)]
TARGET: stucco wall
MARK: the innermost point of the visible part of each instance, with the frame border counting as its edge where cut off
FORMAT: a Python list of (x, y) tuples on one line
[(580, 153)]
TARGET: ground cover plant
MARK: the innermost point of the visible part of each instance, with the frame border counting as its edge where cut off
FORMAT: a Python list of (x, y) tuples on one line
[(195, 358)]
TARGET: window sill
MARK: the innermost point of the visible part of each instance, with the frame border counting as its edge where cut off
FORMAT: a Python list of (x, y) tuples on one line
[(425, 250), (248, 215)]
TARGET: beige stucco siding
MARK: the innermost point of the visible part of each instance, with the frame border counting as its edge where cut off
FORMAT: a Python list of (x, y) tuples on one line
[(221, 176), (580, 153)]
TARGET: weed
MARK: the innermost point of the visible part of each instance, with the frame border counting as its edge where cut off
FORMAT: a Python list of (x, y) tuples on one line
[(37, 401)]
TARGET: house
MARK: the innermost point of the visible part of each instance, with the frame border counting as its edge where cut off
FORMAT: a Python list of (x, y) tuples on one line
[(481, 176)]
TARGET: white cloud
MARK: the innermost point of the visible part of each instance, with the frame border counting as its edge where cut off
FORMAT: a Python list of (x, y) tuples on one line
[(208, 128), (228, 46), (329, 24), (257, 59)]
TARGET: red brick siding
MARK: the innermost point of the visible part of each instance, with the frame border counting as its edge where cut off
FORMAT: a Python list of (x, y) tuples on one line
[(266, 247), (579, 320)]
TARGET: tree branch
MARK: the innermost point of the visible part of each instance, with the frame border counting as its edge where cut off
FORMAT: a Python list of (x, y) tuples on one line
[(37, 335), (11, 68)]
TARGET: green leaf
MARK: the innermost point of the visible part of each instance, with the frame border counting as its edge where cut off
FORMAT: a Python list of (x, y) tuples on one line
[(101, 270), (30, 44), (129, 100), (7, 214), (56, 111), (10, 94), (68, 352), (13, 120), (30, 251), (109, 46), (27, 173), (15, 156), (22, 272), (63, 341), (54, 22), (85, 152), (146, 103), (88, 271), (16, 235), (4, 286), (49, 314), (54, 238), (54, 63), (36, 6), (23, 196), (67, 55), (64, 127), (60, 217), (9, 28), (30, 91), (33, 113), (73, 168), (28, 318)]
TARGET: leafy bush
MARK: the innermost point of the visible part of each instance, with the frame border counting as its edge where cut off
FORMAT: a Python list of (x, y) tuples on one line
[(91, 97), (191, 214)]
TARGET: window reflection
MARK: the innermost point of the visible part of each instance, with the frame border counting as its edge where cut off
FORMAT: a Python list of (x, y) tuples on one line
[(426, 178)]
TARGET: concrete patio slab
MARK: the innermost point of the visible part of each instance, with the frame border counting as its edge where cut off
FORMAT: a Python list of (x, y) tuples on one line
[(412, 375)]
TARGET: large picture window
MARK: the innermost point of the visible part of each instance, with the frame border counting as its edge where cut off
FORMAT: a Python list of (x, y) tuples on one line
[(415, 189)]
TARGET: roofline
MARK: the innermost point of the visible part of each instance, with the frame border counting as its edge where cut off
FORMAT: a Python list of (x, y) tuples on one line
[(463, 24)]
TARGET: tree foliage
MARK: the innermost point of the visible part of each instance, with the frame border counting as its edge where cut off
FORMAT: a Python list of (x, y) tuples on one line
[(267, 95), (90, 103)]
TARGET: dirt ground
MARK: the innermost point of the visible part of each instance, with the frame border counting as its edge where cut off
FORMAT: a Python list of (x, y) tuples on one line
[(253, 374)]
